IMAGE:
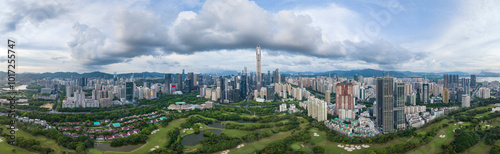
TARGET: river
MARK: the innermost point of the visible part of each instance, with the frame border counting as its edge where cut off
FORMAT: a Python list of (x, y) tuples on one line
[(489, 79)]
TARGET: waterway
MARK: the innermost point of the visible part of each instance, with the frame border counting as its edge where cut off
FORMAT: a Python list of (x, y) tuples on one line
[(194, 139), (125, 148), (482, 79)]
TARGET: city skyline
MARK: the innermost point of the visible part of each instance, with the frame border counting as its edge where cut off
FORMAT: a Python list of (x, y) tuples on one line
[(205, 36)]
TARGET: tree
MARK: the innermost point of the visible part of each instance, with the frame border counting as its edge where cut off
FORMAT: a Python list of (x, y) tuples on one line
[(80, 149), (318, 149), (495, 150)]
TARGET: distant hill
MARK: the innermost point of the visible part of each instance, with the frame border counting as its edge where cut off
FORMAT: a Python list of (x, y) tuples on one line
[(351, 73)]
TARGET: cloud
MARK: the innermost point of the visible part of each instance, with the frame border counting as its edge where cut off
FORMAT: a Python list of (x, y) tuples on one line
[(231, 25), (30, 12), (90, 46), (381, 52)]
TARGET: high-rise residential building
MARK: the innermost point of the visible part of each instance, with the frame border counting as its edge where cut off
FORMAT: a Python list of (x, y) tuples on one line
[(466, 85), (450, 81), (129, 91), (446, 95), (282, 78), (408, 89), (327, 97), (399, 105), (484, 92), (411, 99), (345, 102), (458, 94), (472, 81), (385, 104), (259, 71), (465, 100), (317, 109), (425, 93), (179, 83)]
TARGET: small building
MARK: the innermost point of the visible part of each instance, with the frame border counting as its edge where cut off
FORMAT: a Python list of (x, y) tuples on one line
[(100, 138)]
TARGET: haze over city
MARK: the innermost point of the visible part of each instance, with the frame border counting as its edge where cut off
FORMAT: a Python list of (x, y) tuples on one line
[(221, 35)]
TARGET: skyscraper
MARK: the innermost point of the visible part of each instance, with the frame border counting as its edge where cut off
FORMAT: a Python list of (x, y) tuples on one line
[(327, 97), (168, 81), (425, 93), (399, 105), (179, 86), (259, 73), (385, 104), (466, 85), (345, 100), (190, 81), (129, 91), (276, 76), (82, 82), (446, 95), (473, 81)]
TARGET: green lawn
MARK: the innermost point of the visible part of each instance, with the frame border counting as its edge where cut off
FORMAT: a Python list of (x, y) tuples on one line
[(157, 139), (247, 124), (435, 145), (482, 115), (297, 147), (191, 148), (44, 141), (429, 127), (260, 144), (482, 147), (332, 146)]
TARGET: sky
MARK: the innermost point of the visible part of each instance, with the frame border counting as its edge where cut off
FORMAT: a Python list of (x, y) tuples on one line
[(221, 35)]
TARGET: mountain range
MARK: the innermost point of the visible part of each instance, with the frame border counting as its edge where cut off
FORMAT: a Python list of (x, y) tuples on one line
[(351, 73)]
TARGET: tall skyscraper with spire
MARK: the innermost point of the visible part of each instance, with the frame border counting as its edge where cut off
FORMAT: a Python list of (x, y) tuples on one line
[(259, 73)]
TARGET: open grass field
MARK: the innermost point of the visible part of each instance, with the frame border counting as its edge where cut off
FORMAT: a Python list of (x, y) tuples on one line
[(44, 141), (332, 146), (482, 115), (260, 144), (7, 148), (482, 147), (247, 124), (157, 139), (435, 145)]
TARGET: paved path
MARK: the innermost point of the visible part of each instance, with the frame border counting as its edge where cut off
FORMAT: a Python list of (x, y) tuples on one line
[(410, 139), (306, 147)]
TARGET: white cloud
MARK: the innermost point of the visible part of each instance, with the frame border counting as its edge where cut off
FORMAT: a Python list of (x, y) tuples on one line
[(134, 35)]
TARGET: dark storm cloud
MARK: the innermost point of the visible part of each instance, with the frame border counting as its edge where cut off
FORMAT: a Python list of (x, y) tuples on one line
[(32, 12)]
